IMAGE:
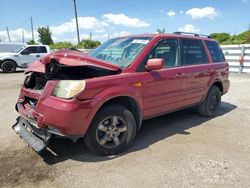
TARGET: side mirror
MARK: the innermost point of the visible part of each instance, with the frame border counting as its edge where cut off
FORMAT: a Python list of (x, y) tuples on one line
[(25, 52), (154, 64)]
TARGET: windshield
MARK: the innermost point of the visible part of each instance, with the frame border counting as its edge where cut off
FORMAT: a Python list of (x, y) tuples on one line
[(17, 51), (120, 51)]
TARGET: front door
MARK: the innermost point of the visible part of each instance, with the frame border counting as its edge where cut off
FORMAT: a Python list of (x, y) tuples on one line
[(29, 55), (163, 90)]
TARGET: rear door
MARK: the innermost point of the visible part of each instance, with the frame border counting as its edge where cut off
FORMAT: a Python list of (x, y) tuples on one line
[(197, 70), (163, 90), (42, 51)]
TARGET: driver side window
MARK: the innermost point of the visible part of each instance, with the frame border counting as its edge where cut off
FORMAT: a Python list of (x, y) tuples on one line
[(30, 50), (167, 49)]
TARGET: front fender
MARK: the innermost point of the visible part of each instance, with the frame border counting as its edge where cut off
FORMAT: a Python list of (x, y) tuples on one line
[(113, 92)]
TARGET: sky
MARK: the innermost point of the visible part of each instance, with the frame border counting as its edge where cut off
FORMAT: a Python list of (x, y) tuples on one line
[(103, 19)]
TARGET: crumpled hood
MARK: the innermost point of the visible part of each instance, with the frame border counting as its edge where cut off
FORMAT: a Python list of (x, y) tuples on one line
[(70, 58)]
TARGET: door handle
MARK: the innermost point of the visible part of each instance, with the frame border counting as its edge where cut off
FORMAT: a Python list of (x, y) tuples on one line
[(180, 75), (37, 55)]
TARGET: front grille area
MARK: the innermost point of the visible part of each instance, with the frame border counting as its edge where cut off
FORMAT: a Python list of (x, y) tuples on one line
[(30, 101), (35, 81)]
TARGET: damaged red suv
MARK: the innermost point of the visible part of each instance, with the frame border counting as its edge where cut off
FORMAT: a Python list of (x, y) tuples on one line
[(105, 95)]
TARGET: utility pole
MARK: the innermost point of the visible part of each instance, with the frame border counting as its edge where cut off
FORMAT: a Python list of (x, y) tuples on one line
[(31, 24), (22, 35), (77, 28), (7, 29), (90, 36)]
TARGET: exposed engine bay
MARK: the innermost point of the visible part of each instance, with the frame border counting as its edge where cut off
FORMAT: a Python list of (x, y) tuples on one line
[(56, 71)]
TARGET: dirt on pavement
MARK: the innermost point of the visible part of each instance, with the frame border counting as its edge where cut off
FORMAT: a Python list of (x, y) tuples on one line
[(180, 149)]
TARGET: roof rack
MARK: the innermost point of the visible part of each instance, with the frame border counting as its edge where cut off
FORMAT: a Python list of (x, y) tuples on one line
[(194, 34)]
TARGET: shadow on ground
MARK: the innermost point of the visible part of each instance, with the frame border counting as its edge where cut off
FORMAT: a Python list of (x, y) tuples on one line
[(152, 131), (18, 71)]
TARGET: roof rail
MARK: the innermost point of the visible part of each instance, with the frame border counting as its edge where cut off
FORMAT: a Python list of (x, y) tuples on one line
[(194, 34)]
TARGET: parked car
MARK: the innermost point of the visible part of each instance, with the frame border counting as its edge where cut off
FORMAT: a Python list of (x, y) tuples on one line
[(104, 96), (9, 61), (11, 47)]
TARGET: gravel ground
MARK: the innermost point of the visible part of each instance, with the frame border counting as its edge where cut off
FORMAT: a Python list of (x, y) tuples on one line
[(181, 149)]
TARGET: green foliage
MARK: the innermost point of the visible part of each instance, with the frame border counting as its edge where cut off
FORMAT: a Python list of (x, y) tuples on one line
[(60, 45), (160, 31), (31, 42), (245, 36), (226, 38), (88, 44), (220, 37), (44, 35)]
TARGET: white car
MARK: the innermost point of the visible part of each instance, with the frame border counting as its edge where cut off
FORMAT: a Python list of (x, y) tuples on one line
[(9, 61)]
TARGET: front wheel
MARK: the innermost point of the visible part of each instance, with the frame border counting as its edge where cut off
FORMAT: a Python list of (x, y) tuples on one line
[(210, 105), (111, 131), (8, 66)]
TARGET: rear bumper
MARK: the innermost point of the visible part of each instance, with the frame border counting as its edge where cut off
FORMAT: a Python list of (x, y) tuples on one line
[(226, 85), (36, 138)]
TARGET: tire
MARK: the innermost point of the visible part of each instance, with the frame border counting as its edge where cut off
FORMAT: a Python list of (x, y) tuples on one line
[(8, 66), (210, 105), (112, 130)]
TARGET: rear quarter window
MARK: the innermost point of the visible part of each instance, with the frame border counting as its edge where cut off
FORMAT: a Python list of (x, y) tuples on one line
[(42, 49), (215, 51)]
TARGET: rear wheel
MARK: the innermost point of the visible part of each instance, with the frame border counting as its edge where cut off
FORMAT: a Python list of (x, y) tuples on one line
[(210, 105), (8, 66), (111, 131)]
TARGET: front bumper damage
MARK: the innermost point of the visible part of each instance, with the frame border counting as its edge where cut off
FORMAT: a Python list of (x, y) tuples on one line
[(35, 137)]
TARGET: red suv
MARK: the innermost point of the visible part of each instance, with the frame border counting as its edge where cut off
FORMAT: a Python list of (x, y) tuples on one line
[(105, 95)]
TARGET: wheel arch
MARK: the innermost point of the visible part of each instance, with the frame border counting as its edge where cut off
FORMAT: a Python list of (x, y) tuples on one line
[(8, 60), (218, 84), (130, 103)]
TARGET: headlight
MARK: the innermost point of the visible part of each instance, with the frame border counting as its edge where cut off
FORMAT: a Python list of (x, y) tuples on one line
[(67, 89)]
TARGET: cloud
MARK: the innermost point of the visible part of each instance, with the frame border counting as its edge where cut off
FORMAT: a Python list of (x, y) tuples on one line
[(181, 11), (122, 19), (89, 23), (189, 28), (98, 27), (200, 13), (16, 35), (171, 13), (245, 1)]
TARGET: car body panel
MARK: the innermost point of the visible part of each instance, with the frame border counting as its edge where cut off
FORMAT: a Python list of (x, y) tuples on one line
[(156, 92)]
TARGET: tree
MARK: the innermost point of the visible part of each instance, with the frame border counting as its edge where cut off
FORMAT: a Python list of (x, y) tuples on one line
[(88, 44), (160, 31), (31, 42), (221, 37), (244, 37), (44, 35), (60, 45)]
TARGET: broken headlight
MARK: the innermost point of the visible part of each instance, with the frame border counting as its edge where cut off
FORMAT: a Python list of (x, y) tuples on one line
[(67, 89)]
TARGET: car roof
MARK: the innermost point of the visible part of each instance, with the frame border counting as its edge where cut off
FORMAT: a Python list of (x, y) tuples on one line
[(187, 36)]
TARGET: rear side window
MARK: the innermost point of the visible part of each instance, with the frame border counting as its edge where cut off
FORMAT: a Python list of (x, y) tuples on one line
[(215, 51), (42, 49), (193, 52)]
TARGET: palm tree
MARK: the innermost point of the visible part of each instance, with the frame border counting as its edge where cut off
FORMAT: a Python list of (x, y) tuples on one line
[(160, 31)]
